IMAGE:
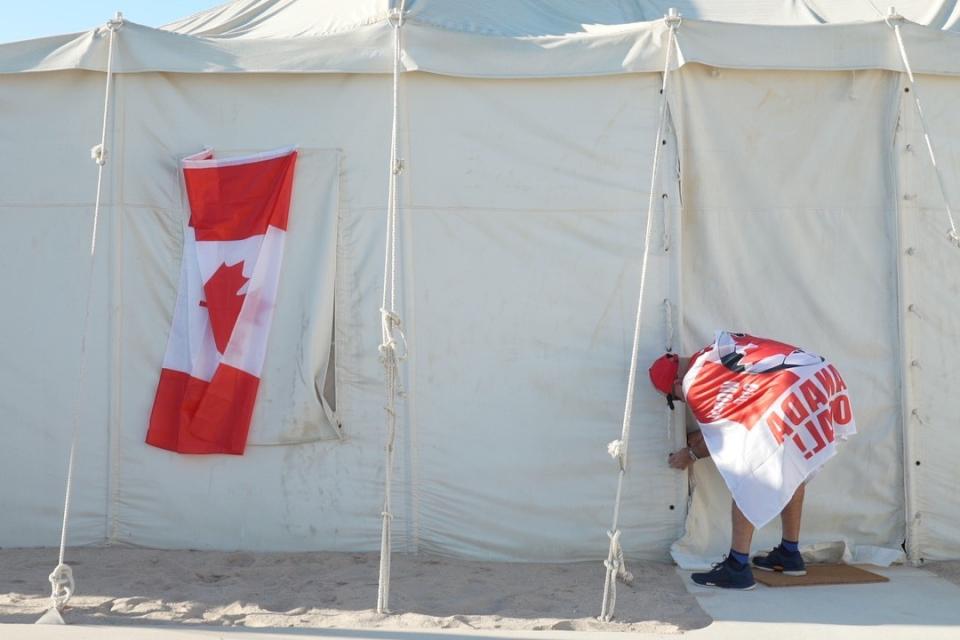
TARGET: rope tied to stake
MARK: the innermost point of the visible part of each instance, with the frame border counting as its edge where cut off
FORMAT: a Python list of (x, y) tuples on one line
[(614, 564), (391, 330), (62, 584)]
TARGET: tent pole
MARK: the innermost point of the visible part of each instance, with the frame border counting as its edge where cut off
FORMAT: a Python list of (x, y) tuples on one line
[(906, 423), (910, 415)]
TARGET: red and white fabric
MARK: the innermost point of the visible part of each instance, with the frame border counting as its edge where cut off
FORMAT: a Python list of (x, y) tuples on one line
[(232, 254), (770, 414)]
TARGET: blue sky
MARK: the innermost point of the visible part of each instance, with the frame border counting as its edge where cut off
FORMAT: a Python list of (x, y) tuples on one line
[(37, 18)]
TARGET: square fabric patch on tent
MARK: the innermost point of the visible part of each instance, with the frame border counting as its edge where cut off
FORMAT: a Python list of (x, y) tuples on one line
[(820, 574)]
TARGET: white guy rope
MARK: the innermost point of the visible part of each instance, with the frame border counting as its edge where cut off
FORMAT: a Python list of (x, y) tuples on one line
[(614, 563), (62, 585), (390, 325), (894, 20)]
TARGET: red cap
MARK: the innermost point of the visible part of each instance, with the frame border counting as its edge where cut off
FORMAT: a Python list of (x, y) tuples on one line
[(663, 373)]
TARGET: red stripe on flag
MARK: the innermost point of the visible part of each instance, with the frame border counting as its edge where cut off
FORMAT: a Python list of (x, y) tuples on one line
[(191, 415), (233, 202)]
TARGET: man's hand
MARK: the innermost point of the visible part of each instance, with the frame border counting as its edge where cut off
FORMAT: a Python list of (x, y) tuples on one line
[(695, 442), (696, 448), (680, 459)]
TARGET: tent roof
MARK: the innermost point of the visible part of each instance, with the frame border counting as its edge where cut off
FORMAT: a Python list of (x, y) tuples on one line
[(531, 18), (509, 38)]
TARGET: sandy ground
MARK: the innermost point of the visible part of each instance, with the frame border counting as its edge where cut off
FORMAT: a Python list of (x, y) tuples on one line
[(339, 590)]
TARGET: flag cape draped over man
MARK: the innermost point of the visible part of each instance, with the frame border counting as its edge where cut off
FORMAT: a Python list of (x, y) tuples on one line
[(770, 414), (232, 253)]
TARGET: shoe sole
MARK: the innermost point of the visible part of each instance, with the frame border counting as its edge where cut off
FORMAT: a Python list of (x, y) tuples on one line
[(795, 574), (717, 586)]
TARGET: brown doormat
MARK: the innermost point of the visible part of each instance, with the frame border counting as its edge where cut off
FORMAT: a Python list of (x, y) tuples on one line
[(819, 574)]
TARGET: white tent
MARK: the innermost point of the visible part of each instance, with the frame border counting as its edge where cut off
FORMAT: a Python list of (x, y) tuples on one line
[(795, 200)]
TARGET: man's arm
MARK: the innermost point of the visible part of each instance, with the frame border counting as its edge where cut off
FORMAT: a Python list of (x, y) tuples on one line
[(696, 448)]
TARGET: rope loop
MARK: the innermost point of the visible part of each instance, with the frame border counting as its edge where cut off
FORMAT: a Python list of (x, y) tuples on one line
[(389, 325), (395, 17), (615, 561), (62, 586), (111, 26), (616, 568), (893, 19), (673, 19)]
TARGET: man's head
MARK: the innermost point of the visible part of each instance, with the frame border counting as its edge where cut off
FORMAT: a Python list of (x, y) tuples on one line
[(666, 374)]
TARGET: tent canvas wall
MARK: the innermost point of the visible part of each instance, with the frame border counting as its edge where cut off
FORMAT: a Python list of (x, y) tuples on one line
[(795, 201)]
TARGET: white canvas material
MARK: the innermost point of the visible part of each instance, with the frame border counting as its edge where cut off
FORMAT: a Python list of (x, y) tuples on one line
[(795, 202)]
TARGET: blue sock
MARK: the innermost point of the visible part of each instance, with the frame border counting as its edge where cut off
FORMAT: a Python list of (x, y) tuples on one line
[(742, 558), (790, 546)]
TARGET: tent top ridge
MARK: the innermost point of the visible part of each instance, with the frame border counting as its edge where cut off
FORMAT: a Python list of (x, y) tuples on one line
[(245, 18), (366, 47)]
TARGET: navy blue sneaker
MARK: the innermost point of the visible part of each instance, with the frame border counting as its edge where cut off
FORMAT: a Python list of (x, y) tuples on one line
[(727, 574), (779, 559)]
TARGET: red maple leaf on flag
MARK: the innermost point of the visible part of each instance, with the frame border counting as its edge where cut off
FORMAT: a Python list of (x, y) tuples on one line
[(224, 301)]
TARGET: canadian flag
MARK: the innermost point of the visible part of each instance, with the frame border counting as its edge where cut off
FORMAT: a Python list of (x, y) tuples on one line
[(233, 249), (771, 415)]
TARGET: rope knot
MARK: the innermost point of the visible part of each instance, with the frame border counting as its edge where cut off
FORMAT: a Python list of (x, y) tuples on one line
[(953, 237), (616, 450), (395, 18), (113, 25), (615, 561), (893, 19), (389, 319), (387, 350), (387, 515), (673, 19), (389, 323), (62, 585), (98, 154)]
